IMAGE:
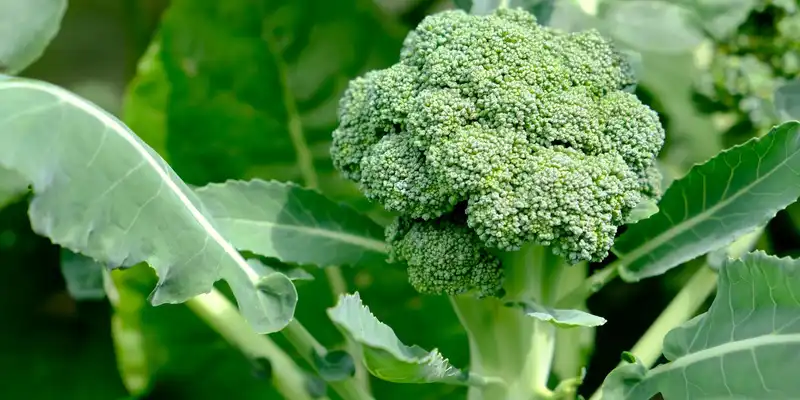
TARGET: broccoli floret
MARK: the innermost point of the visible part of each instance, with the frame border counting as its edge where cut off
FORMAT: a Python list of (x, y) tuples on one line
[(492, 132), (444, 256)]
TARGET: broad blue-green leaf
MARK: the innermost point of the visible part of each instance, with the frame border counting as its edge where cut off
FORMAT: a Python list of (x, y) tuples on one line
[(746, 346), (652, 26), (720, 18), (787, 100), (26, 28), (716, 202), (102, 192), (559, 317), (83, 275), (384, 355), (12, 184), (542, 9), (292, 224)]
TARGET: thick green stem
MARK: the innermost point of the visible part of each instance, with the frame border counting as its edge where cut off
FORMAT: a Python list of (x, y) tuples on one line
[(590, 286), (221, 315), (305, 344), (504, 342)]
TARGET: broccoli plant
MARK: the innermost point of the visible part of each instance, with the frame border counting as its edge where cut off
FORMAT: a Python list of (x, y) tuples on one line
[(501, 166)]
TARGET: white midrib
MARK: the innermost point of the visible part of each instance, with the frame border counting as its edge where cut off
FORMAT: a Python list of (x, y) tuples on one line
[(360, 241), (650, 245), (117, 128), (749, 344)]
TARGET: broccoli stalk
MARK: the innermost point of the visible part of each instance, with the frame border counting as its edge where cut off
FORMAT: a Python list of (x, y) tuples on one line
[(504, 342), (508, 151)]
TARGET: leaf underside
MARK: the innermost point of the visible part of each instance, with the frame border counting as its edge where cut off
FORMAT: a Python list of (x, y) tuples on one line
[(26, 28), (384, 355), (101, 191), (561, 317)]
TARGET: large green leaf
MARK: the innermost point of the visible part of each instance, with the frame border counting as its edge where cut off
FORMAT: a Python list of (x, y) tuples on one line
[(720, 18), (384, 355), (102, 192), (26, 28), (652, 26), (542, 9), (787, 100), (747, 346), (292, 224), (731, 194), (254, 85)]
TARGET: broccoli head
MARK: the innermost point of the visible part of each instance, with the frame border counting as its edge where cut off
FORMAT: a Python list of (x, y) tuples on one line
[(492, 132)]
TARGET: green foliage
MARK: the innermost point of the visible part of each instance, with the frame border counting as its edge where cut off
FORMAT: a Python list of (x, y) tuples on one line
[(384, 355), (652, 26), (115, 212), (271, 71), (292, 224), (728, 196), (492, 150), (542, 9), (740, 348), (26, 28), (787, 100)]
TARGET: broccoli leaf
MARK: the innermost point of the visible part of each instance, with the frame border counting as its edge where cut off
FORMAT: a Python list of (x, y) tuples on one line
[(272, 72), (542, 9), (101, 191), (787, 100), (716, 202), (384, 355), (652, 26), (720, 18), (292, 224), (558, 317), (26, 28), (83, 275), (740, 348), (12, 184)]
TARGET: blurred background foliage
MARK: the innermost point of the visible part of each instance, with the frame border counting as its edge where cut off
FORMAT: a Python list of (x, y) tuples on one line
[(240, 89)]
